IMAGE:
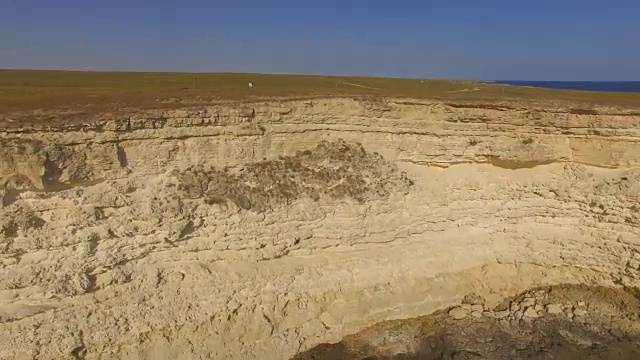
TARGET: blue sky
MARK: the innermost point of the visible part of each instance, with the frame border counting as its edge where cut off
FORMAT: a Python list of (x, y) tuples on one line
[(464, 39)]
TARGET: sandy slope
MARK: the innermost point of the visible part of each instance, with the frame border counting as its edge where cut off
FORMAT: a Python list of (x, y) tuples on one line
[(261, 230)]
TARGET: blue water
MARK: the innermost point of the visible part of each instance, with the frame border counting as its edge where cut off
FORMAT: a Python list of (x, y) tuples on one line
[(608, 86)]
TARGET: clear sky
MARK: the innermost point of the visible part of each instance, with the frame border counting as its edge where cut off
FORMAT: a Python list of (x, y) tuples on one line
[(463, 39)]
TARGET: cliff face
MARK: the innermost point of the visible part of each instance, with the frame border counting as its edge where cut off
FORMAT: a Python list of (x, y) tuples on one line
[(260, 230)]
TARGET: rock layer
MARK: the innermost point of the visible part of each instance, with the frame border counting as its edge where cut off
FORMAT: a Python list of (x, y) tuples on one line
[(261, 230), (608, 330)]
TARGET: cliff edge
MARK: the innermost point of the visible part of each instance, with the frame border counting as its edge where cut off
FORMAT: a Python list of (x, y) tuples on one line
[(258, 230)]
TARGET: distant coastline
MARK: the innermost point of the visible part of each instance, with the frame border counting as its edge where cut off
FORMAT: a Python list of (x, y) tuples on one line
[(607, 86)]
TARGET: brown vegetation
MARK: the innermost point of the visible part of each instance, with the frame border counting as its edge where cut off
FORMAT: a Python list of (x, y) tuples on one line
[(335, 170)]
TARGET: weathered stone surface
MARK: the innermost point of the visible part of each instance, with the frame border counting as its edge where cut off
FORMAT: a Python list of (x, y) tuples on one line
[(458, 313), (530, 312), (554, 309), (148, 234), (527, 302), (579, 312), (489, 314)]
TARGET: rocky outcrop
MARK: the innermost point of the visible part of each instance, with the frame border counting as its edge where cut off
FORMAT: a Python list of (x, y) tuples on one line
[(260, 230), (578, 322), (428, 133)]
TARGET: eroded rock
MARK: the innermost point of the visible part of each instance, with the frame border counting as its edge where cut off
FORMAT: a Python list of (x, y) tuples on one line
[(458, 313), (283, 229)]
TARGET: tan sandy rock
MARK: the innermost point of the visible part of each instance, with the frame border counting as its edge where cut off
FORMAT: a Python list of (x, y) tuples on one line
[(259, 230)]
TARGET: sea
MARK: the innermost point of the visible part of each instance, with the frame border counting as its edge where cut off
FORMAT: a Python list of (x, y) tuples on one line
[(607, 86)]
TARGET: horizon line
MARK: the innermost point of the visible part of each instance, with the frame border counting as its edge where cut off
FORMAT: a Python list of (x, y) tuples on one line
[(311, 74)]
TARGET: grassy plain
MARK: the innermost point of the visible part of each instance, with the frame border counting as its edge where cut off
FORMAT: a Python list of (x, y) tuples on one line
[(88, 92)]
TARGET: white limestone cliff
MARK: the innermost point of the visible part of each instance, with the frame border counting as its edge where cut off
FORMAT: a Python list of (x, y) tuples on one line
[(259, 230)]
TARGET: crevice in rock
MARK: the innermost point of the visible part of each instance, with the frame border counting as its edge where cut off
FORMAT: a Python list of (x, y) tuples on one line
[(122, 156), (515, 164)]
